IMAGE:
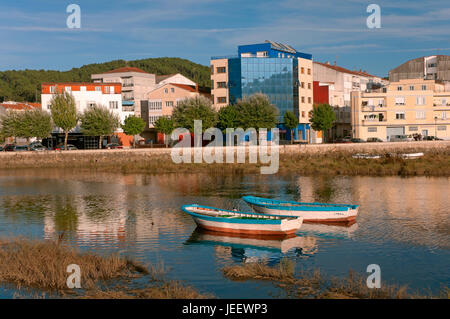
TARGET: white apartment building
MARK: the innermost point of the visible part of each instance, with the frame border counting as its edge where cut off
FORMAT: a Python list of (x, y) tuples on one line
[(86, 94)]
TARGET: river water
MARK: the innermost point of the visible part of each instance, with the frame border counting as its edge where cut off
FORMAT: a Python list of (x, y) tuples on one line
[(403, 224)]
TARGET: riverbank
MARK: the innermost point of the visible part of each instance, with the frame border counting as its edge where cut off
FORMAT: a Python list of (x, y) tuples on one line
[(322, 159), (42, 267)]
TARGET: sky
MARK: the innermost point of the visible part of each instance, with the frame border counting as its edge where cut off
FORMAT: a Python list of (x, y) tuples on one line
[(34, 33)]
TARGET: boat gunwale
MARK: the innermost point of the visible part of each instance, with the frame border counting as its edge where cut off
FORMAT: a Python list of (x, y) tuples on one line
[(297, 206), (238, 220)]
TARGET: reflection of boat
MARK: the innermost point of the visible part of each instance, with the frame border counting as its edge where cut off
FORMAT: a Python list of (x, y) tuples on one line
[(238, 222), (366, 156), (278, 244), (311, 212), (327, 230)]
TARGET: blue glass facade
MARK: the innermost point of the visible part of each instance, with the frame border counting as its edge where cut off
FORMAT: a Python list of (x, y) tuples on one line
[(273, 77)]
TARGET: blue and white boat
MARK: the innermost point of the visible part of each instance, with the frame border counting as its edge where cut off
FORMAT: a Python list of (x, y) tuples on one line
[(228, 221), (310, 212)]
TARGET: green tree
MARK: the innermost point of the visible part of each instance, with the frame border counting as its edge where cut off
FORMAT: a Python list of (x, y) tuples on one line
[(291, 122), (133, 126), (36, 123), (196, 108), (228, 117), (165, 125), (97, 120), (11, 124), (64, 113), (257, 112), (322, 117)]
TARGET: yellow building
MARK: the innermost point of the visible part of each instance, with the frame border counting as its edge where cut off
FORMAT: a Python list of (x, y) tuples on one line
[(407, 107)]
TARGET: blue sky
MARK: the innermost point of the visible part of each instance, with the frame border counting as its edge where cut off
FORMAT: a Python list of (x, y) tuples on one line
[(34, 34)]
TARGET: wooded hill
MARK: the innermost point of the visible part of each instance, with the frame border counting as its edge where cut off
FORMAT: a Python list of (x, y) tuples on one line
[(25, 85)]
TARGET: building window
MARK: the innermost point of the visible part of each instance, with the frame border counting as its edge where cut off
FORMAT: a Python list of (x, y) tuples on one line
[(444, 115), (221, 99), (303, 99), (413, 128), (221, 69), (303, 113), (90, 104), (303, 70), (411, 87), (302, 85), (420, 100), (172, 90), (68, 89), (106, 89), (399, 116), (169, 103), (113, 105), (221, 85), (49, 106), (399, 100), (98, 88), (166, 90), (309, 71), (309, 86), (399, 88), (424, 87), (442, 128), (212, 84), (212, 69), (309, 100), (420, 115), (372, 129), (155, 105), (152, 119)]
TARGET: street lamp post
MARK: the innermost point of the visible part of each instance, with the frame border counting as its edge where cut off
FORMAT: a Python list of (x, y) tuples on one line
[(435, 126)]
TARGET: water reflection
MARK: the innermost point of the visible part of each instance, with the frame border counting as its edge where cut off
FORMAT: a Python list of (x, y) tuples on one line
[(250, 248), (403, 222)]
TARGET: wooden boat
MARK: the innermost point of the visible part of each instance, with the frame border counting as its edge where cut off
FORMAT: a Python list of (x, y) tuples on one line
[(311, 212), (222, 220)]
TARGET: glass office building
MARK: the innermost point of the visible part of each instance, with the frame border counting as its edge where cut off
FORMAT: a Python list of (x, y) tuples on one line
[(270, 68), (273, 77)]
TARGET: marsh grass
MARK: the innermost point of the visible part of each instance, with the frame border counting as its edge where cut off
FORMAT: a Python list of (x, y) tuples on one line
[(435, 162), (38, 269), (312, 284), (43, 264)]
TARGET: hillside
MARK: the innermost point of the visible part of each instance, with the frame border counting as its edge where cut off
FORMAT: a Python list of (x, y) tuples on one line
[(24, 85)]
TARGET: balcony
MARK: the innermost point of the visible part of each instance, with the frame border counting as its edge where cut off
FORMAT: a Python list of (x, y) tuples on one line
[(371, 108), (128, 108)]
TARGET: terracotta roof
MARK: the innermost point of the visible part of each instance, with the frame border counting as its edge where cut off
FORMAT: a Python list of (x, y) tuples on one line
[(126, 69), (82, 83), (344, 70), (184, 86), (20, 105)]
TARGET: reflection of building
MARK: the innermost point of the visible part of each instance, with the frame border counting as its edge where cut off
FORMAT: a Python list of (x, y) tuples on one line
[(406, 107), (276, 70), (435, 67)]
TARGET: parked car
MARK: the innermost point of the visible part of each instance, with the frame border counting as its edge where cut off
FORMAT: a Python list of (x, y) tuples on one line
[(37, 147), (401, 138), (431, 138), (21, 148), (347, 139), (1, 148), (374, 140), (111, 146), (357, 140), (9, 148), (70, 147)]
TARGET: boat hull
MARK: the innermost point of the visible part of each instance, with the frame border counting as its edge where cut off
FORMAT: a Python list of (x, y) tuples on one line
[(328, 216), (285, 227)]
